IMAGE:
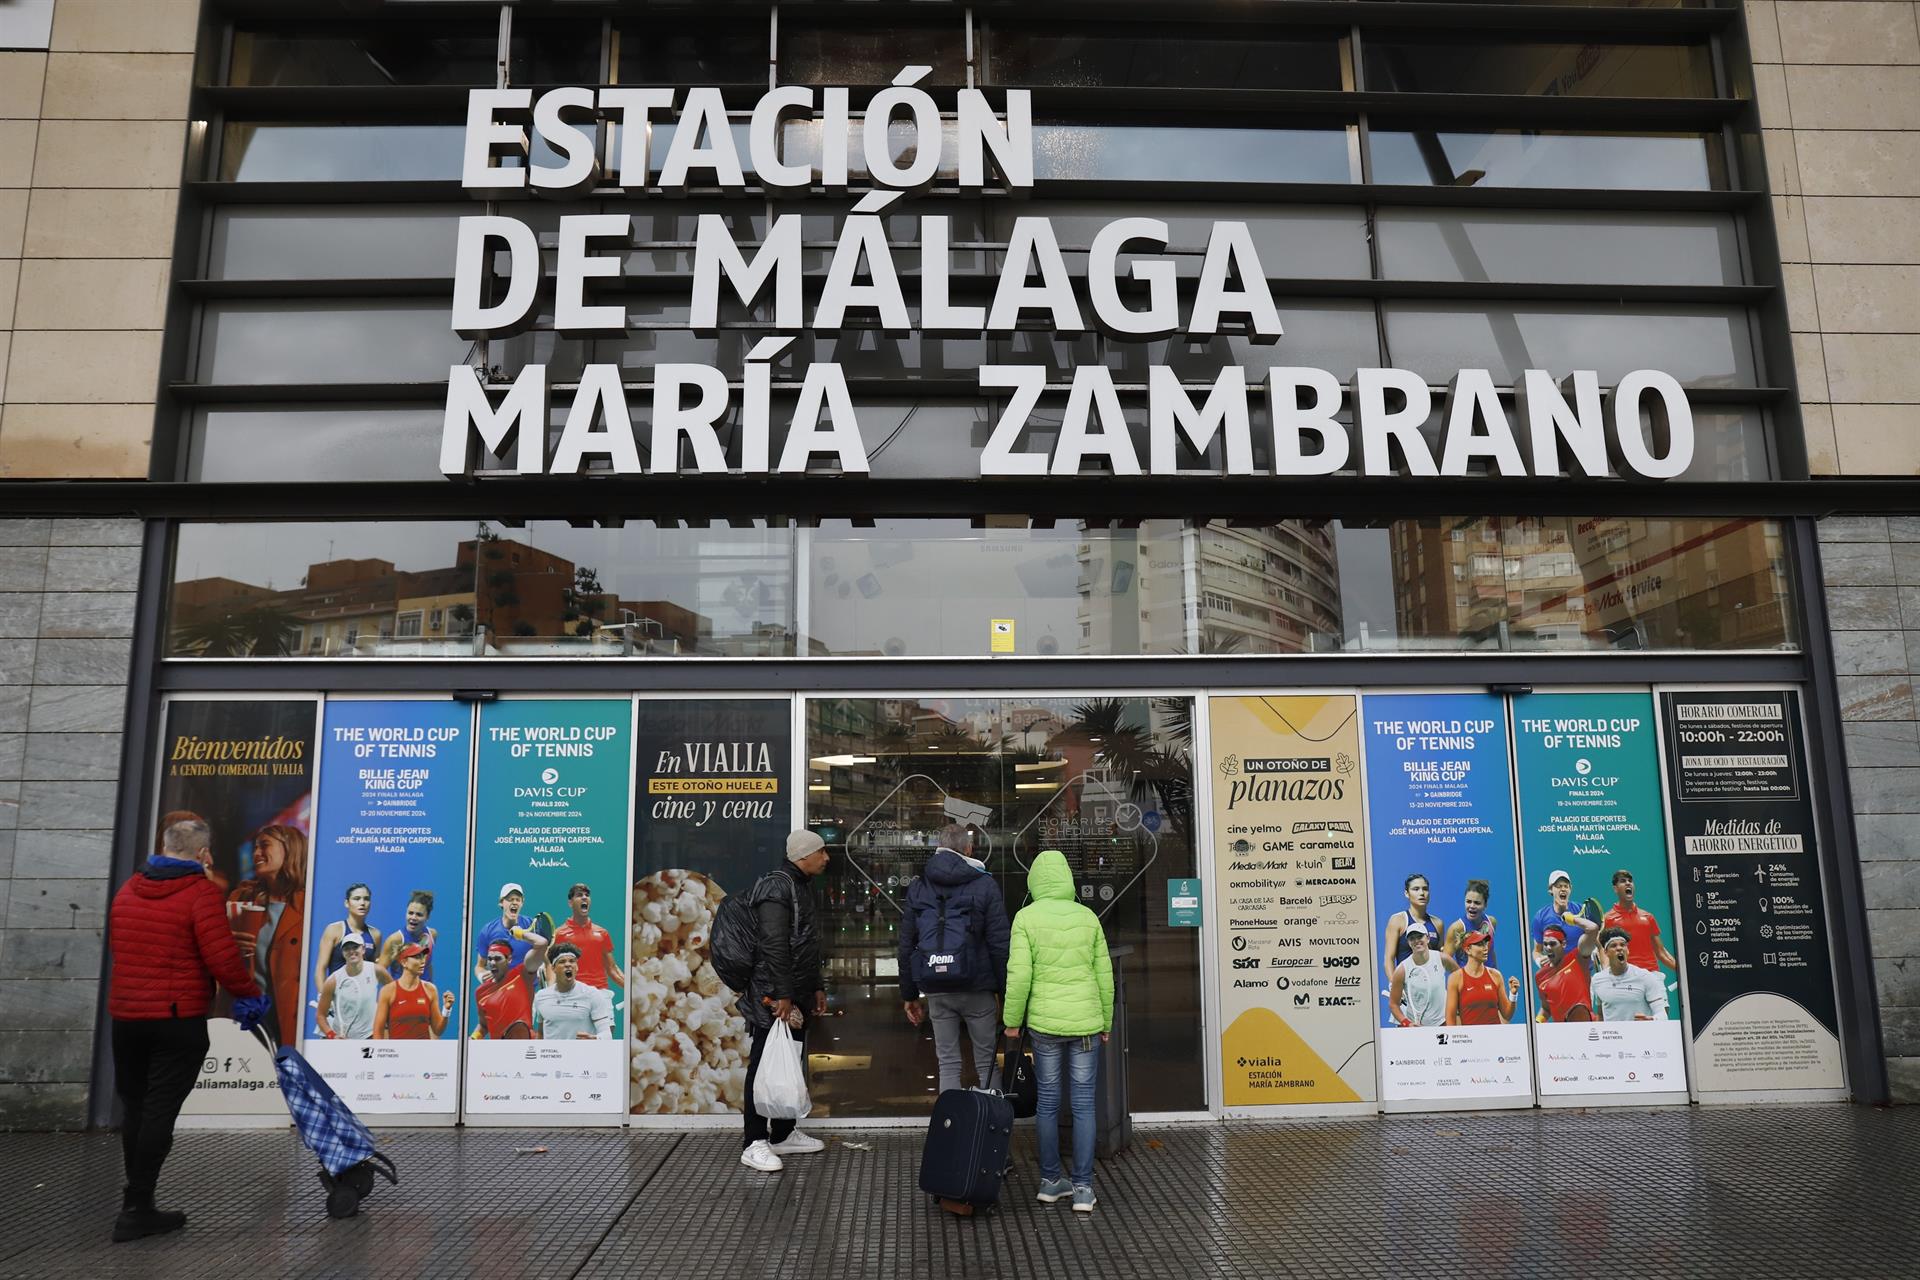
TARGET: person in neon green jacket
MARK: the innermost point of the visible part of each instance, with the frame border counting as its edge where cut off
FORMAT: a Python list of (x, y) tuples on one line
[(1060, 988)]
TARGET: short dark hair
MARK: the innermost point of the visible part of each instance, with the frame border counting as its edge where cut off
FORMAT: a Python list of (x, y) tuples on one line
[(1479, 887), (560, 950), (422, 896), (1623, 874), (1608, 935), (578, 889), (1408, 883), (361, 884)]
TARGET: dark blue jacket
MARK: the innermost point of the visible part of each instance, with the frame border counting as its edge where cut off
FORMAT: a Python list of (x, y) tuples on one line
[(971, 890)]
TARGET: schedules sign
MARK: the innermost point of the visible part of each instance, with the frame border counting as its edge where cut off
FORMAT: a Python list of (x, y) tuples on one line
[(1589, 782), (712, 817), (1759, 969), (390, 868), (1287, 821), (552, 816), (245, 768), (1440, 814)]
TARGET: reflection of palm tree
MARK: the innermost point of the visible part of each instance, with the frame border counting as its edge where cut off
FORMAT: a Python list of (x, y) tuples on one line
[(1129, 748), (260, 632)]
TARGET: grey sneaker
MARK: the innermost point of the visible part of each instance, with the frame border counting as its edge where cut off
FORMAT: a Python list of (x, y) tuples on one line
[(1055, 1189), (1083, 1200)]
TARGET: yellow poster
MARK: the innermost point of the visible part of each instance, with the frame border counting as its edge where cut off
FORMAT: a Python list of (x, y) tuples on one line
[(1288, 850)]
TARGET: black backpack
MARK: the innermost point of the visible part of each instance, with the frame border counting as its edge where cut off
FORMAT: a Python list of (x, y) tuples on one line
[(944, 957), (734, 944)]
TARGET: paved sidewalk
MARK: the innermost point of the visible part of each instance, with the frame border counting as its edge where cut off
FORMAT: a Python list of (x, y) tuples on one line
[(1828, 1191)]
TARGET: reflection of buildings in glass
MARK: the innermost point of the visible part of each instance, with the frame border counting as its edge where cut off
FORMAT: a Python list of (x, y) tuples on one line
[(1683, 583), (1598, 583), (1464, 579), (1268, 588), (506, 589)]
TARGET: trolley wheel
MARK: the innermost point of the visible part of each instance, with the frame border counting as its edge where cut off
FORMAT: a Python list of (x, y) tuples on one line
[(342, 1201)]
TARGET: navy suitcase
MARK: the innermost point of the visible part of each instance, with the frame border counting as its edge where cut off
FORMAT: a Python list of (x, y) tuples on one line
[(966, 1153)]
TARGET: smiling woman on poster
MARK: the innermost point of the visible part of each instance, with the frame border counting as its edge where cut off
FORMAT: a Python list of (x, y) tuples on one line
[(1476, 995), (330, 954), (268, 915)]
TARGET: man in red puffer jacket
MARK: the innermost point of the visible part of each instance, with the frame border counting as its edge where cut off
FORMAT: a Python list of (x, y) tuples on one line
[(171, 942)]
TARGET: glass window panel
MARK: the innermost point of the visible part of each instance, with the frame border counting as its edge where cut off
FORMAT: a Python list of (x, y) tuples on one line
[(277, 152), (1176, 153), (1540, 69), (1701, 346), (395, 55), (1337, 336), (713, 53), (929, 588), (1546, 158), (330, 243), (553, 53), (544, 590), (318, 341), (1308, 241), (1045, 773), (1118, 56), (871, 53), (300, 443), (800, 144), (1572, 248)]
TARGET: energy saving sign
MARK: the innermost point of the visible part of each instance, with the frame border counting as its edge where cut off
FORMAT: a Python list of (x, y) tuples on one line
[(1454, 958), (698, 418), (1599, 903), (1287, 823), (548, 953), (1753, 937), (381, 1019)]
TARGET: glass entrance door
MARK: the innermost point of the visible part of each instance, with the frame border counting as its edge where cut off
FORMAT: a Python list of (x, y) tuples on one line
[(1107, 781)]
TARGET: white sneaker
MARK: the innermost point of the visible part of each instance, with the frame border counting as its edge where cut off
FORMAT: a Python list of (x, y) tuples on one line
[(797, 1144), (760, 1156)]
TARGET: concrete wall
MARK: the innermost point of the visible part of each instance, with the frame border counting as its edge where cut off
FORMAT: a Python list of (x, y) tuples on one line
[(92, 130), (1838, 85)]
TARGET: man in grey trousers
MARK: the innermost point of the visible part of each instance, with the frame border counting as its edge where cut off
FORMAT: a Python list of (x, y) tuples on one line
[(953, 953)]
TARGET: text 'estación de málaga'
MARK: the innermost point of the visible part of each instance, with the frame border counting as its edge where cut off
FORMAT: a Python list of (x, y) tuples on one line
[(1562, 423)]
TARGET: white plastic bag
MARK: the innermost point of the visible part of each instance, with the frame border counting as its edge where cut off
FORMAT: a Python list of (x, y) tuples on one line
[(780, 1087)]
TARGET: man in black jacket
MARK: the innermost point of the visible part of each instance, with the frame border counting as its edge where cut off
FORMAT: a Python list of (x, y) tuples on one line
[(953, 954), (787, 986)]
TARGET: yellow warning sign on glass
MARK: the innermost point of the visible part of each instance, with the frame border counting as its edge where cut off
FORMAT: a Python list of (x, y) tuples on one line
[(1000, 634)]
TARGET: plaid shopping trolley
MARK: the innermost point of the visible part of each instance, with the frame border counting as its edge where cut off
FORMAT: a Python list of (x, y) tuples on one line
[(348, 1158)]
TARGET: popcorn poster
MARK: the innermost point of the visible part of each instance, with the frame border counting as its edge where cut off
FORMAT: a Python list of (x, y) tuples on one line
[(711, 815)]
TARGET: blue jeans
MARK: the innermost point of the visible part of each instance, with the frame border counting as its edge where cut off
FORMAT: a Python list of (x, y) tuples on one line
[(1081, 1063)]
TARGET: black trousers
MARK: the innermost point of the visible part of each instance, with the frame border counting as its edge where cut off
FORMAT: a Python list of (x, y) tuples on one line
[(155, 1064), (758, 1126)]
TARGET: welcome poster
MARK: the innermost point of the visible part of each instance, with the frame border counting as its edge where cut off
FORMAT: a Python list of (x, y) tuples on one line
[(1440, 810), (1288, 830), (390, 867), (236, 789), (552, 819)]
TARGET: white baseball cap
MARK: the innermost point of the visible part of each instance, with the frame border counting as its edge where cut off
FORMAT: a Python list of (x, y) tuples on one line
[(355, 937), (1555, 877), (511, 887)]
